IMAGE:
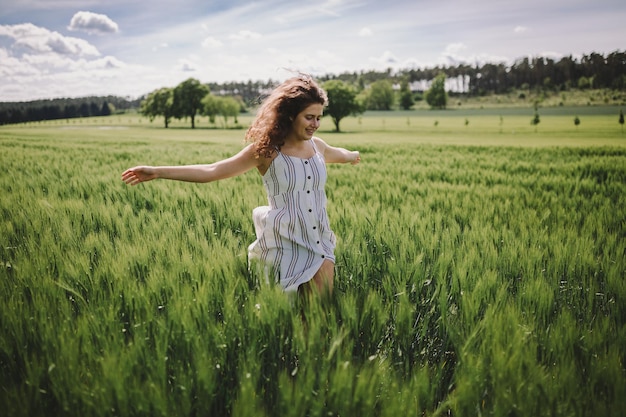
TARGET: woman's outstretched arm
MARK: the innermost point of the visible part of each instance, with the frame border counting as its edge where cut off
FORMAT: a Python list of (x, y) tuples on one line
[(237, 164), (337, 155)]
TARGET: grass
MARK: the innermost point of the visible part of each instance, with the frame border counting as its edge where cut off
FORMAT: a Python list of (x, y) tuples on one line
[(480, 271)]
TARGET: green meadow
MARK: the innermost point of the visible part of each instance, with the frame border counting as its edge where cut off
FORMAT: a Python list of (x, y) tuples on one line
[(480, 272)]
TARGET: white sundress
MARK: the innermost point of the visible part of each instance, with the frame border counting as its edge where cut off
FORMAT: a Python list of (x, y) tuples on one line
[(293, 233)]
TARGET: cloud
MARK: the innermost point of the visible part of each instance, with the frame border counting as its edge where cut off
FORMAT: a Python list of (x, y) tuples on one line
[(52, 76), (520, 29), (211, 42), (48, 64), (245, 35), (92, 23), (107, 62), (162, 45), (456, 54), (386, 59), (452, 55), (366, 32), (11, 66), (30, 38), (455, 48), (315, 11)]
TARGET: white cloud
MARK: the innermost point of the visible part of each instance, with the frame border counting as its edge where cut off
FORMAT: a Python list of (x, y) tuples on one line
[(366, 32), (31, 38), (520, 29), (162, 45), (212, 42), (387, 58), (452, 55), (45, 77), (48, 64), (319, 10), (245, 35), (454, 49), (459, 53), (107, 62), (70, 46), (92, 23), (12, 67)]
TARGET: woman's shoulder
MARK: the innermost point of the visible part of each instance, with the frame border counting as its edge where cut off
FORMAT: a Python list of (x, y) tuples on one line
[(319, 143), (263, 162)]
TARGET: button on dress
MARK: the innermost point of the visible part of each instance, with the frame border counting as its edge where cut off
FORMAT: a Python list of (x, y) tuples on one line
[(293, 232)]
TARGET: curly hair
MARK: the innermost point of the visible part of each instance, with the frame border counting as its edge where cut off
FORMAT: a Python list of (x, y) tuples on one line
[(274, 118)]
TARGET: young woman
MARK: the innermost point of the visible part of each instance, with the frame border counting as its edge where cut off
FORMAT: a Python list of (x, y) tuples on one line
[(294, 241)]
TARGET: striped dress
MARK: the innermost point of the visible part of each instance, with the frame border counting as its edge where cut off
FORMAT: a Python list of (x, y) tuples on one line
[(293, 233)]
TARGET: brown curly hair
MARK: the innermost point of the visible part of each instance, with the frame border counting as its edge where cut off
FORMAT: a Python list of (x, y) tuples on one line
[(274, 118)]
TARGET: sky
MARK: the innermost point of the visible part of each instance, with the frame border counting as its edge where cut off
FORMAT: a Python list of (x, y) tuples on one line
[(128, 48)]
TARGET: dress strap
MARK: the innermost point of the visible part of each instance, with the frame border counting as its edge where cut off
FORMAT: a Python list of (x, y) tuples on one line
[(314, 147)]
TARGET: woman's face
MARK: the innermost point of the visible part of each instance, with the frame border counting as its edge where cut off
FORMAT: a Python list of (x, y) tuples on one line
[(307, 122)]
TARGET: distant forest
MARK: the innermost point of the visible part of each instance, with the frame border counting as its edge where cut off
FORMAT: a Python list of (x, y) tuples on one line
[(64, 108), (539, 73)]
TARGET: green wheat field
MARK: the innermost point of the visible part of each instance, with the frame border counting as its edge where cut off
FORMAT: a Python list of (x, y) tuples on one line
[(480, 272)]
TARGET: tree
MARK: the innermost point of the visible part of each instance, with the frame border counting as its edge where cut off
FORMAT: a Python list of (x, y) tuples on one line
[(83, 110), (229, 107), (584, 83), (621, 120), (94, 109), (381, 95), (159, 103), (576, 121), (210, 107), (226, 107), (436, 96), (107, 109), (188, 97), (535, 120), (406, 96), (342, 101)]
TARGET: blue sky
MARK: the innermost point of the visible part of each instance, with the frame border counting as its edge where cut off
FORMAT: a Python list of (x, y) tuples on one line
[(74, 48)]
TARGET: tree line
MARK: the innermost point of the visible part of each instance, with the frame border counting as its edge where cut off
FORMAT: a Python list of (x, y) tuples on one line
[(589, 71), (63, 108), (369, 90), (191, 99)]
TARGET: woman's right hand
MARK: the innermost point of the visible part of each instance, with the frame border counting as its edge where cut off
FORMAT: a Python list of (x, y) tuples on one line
[(139, 174)]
